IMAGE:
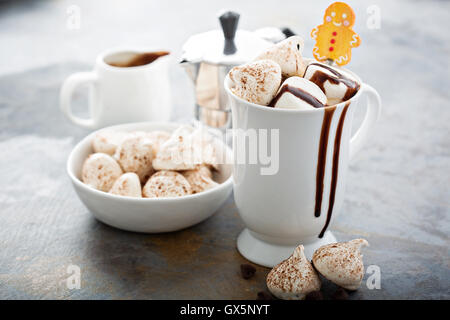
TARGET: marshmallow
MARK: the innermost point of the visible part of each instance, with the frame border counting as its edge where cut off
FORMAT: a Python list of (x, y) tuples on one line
[(100, 171), (293, 278), (166, 184), (288, 54), (300, 94), (341, 263), (256, 82), (135, 154), (107, 141), (127, 185), (200, 179), (338, 85)]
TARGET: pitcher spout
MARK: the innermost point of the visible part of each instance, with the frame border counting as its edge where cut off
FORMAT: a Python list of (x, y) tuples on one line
[(191, 68)]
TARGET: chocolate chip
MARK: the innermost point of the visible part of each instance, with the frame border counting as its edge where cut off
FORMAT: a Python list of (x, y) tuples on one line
[(247, 271), (315, 295), (262, 295), (340, 294)]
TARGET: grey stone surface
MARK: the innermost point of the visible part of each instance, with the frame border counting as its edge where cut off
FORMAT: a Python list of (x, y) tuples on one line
[(397, 192)]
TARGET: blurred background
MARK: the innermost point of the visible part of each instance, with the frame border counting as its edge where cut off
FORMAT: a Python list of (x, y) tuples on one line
[(40, 33)]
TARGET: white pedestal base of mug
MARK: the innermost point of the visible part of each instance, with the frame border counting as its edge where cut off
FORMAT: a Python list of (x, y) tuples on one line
[(269, 255)]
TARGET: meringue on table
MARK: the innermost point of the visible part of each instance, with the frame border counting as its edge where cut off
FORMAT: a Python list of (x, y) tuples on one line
[(293, 278), (341, 263)]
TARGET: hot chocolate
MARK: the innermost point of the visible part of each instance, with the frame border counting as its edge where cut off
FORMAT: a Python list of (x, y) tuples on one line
[(319, 86)]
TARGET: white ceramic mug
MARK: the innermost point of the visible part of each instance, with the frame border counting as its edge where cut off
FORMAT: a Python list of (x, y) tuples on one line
[(280, 210), (121, 94)]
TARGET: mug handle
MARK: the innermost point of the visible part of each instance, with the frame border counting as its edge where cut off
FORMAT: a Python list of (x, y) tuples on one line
[(65, 98), (372, 114)]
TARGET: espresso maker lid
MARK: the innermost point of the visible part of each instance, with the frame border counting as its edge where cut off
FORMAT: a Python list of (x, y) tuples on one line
[(228, 46)]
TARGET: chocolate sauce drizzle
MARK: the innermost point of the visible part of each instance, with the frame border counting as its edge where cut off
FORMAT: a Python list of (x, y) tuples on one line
[(322, 157), (319, 78), (299, 93), (335, 167)]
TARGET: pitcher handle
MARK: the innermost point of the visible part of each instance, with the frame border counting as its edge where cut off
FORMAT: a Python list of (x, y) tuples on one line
[(372, 114), (67, 89)]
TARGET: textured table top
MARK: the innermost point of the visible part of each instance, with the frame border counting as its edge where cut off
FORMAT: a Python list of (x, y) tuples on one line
[(397, 191)]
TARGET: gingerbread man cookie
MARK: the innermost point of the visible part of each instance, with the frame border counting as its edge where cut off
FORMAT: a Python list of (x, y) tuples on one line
[(335, 38)]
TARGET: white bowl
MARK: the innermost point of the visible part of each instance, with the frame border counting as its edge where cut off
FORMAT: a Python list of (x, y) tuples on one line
[(144, 214)]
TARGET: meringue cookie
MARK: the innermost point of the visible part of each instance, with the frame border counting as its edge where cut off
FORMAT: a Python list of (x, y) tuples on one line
[(186, 149), (200, 179), (135, 154), (158, 138), (205, 171), (257, 81), (337, 84), (206, 147), (177, 153), (107, 141), (298, 93), (166, 184), (288, 54), (341, 263), (128, 185), (100, 171), (293, 278)]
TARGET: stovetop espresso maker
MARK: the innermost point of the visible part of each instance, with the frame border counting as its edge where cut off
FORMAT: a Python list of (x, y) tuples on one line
[(207, 57)]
